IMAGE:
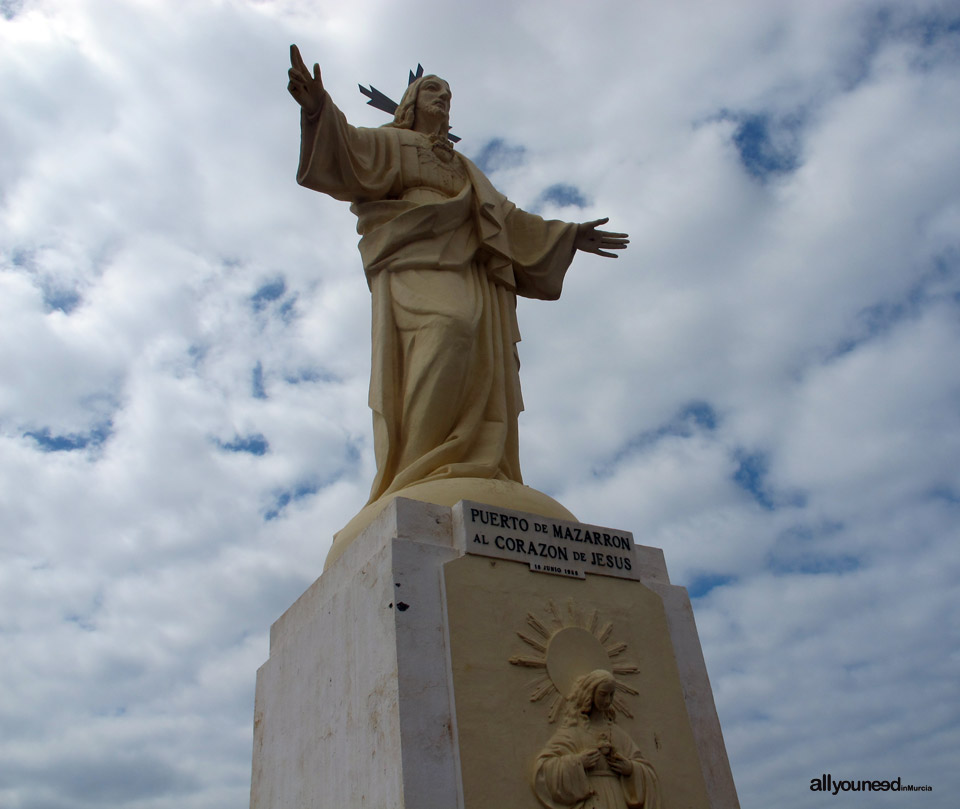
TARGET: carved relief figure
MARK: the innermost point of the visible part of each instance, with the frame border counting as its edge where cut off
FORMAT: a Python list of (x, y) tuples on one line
[(445, 255), (591, 763)]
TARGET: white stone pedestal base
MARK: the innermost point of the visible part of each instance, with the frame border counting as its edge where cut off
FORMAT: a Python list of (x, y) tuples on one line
[(357, 705)]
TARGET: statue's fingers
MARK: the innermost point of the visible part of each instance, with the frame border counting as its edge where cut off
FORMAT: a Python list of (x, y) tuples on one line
[(606, 234), (297, 60), (296, 83), (607, 255), (299, 74), (316, 73), (596, 222)]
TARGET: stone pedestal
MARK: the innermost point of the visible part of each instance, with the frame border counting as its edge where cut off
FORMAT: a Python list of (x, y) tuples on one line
[(422, 670)]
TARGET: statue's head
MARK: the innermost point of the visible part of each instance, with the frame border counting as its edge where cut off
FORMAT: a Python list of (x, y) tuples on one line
[(426, 98), (593, 692)]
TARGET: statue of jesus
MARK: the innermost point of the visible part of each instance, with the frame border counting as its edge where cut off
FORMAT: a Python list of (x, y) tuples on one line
[(445, 256)]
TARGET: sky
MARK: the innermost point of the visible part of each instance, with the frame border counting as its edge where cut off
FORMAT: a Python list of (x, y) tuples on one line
[(766, 384)]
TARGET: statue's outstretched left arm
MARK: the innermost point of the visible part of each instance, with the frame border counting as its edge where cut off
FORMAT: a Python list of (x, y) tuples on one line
[(591, 240)]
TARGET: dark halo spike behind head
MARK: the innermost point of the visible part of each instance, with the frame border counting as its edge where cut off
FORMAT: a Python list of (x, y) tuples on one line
[(385, 104), (378, 100)]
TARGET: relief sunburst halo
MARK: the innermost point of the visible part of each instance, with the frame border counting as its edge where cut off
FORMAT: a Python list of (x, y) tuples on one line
[(569, 644)]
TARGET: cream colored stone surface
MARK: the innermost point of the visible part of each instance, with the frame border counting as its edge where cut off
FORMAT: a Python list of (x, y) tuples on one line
[(445, 256), (590, 758), (390, 682), (353, 708), (499, 493), (698, 694), (502, 731)]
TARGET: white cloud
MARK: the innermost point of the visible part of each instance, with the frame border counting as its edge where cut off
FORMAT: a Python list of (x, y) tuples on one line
[(764, 385)]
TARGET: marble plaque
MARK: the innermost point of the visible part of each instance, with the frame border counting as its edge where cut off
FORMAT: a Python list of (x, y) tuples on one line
[(546, 545)]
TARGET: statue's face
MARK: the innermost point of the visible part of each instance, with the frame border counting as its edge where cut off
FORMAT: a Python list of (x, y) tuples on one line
[(603, 696), (433, 100)]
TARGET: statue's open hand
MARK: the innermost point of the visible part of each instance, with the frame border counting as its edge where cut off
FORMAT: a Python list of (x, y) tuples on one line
[(620, 765), (307, 90), (590, 759), (591, 240)]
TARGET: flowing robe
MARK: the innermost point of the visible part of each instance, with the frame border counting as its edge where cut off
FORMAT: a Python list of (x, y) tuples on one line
[(445, 255), (561, 782)]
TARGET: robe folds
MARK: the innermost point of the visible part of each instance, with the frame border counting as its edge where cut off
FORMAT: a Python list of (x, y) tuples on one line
[(561, 782), (445, 255)]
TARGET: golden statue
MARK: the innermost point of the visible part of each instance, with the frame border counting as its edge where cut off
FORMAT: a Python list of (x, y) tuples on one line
[(445, 255)]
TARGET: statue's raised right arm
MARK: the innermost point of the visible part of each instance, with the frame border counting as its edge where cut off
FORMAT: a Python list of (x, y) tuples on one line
[(307, 90), (348, 163)]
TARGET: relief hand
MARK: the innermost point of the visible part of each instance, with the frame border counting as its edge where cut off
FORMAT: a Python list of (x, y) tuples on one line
[(590, 759), (620, 765)]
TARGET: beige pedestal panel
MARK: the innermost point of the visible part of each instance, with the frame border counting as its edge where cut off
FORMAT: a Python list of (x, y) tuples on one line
[(415, 673)]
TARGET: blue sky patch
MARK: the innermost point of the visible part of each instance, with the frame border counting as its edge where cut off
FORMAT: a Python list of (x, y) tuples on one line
[(258, 390), (85, 621), (353, 452), (268, 293), (197, 353), (563, 196), (255, 444), (700, 414), (945, 494), (705, 582), (64, 300), (807, 532), (767, 147), (68, 442), (751, 476), (695, 416), (10, 8), (923, 29), (806, 548), (933, 29), (82, 622), (811, 564), (497, 154), (55, 298), (882, 317), (872, 321), (22, 256), (288, 309), (310, 375), (284, 498), (886, 25)]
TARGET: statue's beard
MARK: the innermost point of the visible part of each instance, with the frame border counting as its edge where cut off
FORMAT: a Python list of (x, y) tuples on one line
[(438, 119)]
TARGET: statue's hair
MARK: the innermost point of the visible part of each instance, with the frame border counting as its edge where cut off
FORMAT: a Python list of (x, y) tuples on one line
[(581, 697), (407, 108)]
